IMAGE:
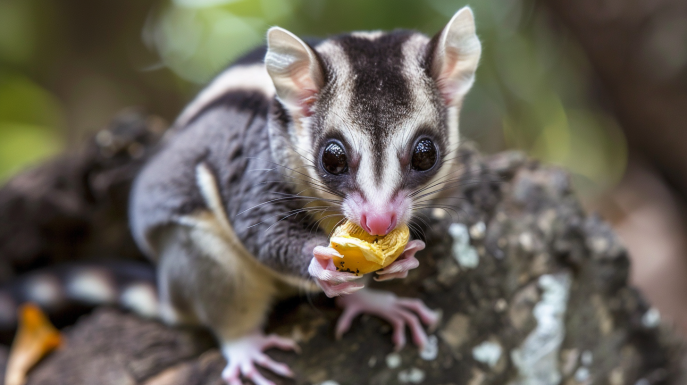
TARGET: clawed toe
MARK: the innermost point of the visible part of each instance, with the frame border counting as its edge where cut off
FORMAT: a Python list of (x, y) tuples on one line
[(405, 263), (243, 354), (268, 363), (400, 312), (388, 277), (427, 315), (279, 342), (334, 283), (346, 288)]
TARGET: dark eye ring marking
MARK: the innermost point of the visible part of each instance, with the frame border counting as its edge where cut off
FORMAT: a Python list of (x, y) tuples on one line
[(334, 159), (424, 155)]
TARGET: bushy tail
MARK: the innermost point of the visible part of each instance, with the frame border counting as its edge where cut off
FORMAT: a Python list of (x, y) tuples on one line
[(66, 292)]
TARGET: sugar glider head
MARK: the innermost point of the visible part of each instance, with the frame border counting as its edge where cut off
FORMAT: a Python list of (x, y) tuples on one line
[(373, 116)]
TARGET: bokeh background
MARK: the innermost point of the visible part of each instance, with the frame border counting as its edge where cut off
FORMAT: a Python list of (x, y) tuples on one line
[(597, 87)]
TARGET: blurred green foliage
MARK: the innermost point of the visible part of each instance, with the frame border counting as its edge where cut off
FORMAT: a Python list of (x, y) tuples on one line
[(534, 89), (30, 116)]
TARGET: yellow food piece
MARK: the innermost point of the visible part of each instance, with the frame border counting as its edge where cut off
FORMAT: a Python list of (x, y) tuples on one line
[(364, 253), (35, 338)]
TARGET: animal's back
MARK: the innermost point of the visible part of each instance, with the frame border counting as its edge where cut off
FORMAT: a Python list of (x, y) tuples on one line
[(225, 128)]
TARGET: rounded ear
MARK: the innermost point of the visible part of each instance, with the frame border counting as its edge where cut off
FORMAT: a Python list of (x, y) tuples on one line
[(453, 56), (295, 70)]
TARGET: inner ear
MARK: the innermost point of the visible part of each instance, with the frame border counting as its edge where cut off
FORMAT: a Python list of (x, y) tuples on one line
[(453, 55), (295, 69)]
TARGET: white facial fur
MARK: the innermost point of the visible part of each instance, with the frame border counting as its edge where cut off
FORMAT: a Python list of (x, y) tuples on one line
[(295, 70)]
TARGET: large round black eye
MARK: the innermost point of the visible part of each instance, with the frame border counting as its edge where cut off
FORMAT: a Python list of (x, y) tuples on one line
[(424, 155), (334, 159)]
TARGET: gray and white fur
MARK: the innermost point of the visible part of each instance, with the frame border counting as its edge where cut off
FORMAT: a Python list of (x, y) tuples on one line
[(220, 208)]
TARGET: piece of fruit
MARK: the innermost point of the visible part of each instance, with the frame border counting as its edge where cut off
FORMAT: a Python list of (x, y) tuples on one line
[(364, 253)]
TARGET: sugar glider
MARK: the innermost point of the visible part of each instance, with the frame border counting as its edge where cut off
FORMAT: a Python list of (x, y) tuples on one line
[(361, 126)]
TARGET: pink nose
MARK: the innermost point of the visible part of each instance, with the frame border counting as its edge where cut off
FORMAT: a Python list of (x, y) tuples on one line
[(378, 223)]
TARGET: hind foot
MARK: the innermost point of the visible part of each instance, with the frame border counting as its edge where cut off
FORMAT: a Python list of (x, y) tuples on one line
[(399, 312), (244, 353)]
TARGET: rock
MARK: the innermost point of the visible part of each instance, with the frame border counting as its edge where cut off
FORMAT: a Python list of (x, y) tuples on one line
[(549, 289)]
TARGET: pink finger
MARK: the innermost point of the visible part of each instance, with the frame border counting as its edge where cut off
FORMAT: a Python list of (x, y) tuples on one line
[(258, 378), (414, 246), (321, 252), (428, 316), (317, 271), (416, 330), (247, 367), (268, 363), (345, 321), (342, 289), (317, 265), (275, 341), (403, 265), (389, 277), (337, 277), (230, 374), (399, 337)]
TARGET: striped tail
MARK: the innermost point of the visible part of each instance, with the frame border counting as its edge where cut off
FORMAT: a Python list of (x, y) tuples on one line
[(68, 291)]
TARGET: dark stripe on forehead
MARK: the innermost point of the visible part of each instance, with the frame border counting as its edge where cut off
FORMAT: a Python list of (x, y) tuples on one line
[(381, 94)]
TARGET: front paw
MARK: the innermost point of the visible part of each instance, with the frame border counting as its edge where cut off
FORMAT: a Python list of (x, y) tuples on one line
[(400, 267), (334, 283)]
